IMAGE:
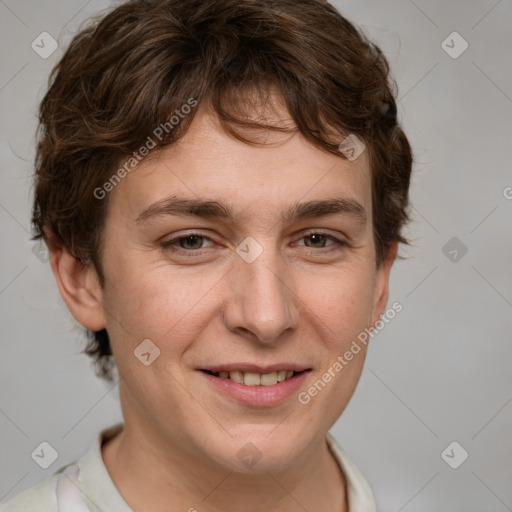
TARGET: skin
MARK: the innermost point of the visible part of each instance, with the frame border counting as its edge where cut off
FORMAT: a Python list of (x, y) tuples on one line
[(303, 300)]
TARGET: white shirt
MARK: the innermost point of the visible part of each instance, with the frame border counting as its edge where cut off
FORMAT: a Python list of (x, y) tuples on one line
[(101, 494)]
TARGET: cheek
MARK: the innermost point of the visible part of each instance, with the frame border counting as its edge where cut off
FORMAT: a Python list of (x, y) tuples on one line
[(341, 309), (153, 301), (342, 304)]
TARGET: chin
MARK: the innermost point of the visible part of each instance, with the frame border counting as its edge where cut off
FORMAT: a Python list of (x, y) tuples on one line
[(261, 448)]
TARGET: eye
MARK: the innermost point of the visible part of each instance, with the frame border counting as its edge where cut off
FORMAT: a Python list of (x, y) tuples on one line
[(188, 243), (318, 241), (194, 242)]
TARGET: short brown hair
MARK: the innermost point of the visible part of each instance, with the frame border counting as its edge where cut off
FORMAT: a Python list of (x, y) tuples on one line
[(127, 72)]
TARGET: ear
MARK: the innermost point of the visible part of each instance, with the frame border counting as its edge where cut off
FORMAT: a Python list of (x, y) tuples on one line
[(78, 285), (381, 292)]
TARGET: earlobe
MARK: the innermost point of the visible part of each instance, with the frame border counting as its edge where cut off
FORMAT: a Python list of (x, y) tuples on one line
[(382, 282), (78, 286)]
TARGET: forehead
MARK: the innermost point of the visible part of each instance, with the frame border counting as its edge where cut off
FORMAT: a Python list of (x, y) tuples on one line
[(209, 164)]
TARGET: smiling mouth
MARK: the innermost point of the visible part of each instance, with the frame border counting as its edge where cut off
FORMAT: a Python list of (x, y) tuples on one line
[(256, 379)]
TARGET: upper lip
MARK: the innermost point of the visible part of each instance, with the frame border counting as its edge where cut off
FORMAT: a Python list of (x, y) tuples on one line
[(251, 367)]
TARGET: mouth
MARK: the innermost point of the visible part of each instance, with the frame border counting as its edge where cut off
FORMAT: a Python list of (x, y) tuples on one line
[(256, 386), (249, 378)]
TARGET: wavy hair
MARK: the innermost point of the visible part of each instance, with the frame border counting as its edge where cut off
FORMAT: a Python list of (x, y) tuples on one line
[(127, 71)]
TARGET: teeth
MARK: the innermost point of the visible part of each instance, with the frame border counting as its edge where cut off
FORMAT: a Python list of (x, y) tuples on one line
[(237, 376), (269, 379), (256, 379), (252, 379)]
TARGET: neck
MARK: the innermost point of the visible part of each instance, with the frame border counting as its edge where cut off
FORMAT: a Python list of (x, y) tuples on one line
[(149, 478)]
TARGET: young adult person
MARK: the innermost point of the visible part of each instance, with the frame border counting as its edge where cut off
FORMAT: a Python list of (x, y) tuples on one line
[(222, 187)]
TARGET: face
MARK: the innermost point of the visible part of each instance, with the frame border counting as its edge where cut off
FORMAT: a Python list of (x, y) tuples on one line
[(274, 274)]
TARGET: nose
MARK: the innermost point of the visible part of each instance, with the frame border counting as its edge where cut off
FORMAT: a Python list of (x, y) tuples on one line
[(261, 303)]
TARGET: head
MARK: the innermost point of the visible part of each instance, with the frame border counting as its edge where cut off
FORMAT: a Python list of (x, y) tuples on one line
[(192, 191)]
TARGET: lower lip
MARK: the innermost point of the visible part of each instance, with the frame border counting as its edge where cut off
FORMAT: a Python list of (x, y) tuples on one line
[(258, 396)]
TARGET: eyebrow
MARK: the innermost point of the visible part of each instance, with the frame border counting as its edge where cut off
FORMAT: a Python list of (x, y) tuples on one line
[(173, 205)]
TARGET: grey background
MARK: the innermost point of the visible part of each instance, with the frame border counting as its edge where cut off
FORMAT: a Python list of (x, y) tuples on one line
[(439, 372)]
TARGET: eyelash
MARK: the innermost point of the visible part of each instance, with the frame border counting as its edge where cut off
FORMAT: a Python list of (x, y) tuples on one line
[(171, 244)]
